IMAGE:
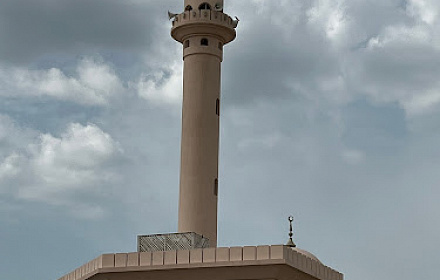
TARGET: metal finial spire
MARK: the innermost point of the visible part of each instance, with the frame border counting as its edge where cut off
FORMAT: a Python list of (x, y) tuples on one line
[(290, 242)]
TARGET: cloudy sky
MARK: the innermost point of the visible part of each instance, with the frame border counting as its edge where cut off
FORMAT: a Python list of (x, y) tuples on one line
[(331, 113)]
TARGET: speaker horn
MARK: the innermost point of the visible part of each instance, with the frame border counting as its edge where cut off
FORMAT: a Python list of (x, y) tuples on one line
[(171, 15), (218, 7), (235, 22)]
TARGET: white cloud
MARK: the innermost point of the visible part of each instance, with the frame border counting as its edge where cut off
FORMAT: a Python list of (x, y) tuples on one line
[(99, 77), (6, 127), (401, 34), (9, 167), (13, 138), (74, 162), (59, 170), (329, 16), (423, 103), (284, 13), (94, 85), (405, 55), (159, 88), (424, 10), (422, 31)]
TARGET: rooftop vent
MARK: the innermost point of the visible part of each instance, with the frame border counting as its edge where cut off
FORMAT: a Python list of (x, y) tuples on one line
[(171, 241)]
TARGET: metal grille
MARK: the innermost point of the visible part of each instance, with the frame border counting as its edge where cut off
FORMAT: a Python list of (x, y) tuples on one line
[(172, 241)]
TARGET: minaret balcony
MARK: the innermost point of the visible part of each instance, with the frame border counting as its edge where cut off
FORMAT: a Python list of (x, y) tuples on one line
[(203, 22)]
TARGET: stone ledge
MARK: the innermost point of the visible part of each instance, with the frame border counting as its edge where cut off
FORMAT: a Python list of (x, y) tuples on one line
[(203, 16), (202, 22), (209, 257)]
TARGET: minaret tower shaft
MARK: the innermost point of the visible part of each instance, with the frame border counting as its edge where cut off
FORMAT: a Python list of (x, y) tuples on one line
[(203, 29)]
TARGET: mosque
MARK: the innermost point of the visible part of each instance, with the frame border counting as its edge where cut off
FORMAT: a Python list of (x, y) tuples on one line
[(192, 253)]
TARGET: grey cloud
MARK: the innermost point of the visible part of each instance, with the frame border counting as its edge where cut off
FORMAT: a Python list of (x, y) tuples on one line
[(267, 62), (311, 126), (31, 30)]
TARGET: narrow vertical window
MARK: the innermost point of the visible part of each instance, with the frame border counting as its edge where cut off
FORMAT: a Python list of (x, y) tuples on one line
[(204, 42), (217, 107), (188, 8), (216, 187), (186, 44)]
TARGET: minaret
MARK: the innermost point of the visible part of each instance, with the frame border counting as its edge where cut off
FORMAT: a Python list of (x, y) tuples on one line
[(203, 29)]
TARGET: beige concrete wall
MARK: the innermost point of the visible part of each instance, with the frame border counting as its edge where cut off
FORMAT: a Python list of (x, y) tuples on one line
[(200, 121), (127, 265), (199, 147)]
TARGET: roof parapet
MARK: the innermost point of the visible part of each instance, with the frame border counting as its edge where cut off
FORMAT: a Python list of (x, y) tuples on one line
[(218, 257)]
